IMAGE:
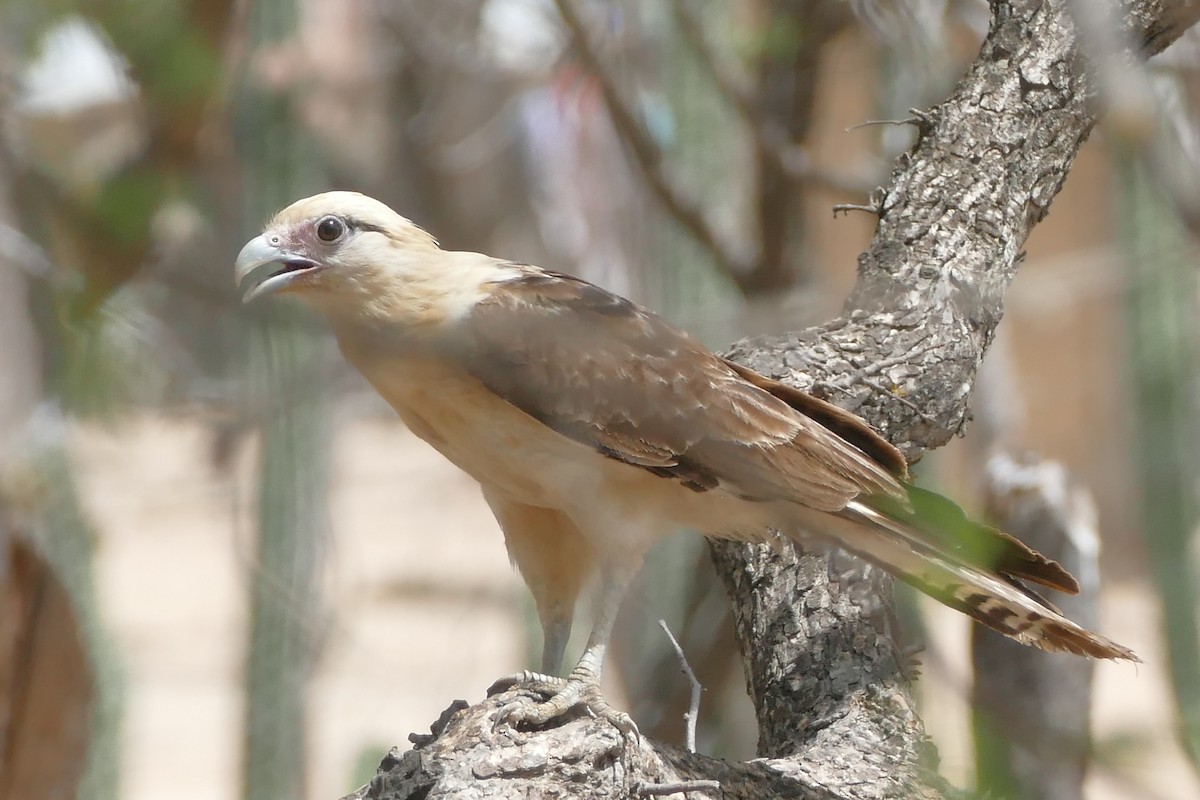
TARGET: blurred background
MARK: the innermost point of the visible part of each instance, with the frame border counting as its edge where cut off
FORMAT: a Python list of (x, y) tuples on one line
[(226, 569)]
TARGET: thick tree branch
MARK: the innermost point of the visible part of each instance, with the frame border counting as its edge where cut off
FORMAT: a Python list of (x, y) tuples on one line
[(958, 208), (823, 665), (468, 756)]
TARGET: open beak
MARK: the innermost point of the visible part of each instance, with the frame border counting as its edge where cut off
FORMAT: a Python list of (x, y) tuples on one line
[(288, 269)]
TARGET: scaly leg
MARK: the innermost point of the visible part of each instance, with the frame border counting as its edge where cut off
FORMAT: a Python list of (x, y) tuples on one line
[(581, 688), (555, 633)]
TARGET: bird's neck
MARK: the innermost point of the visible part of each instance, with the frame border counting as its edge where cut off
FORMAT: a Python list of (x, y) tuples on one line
[(372, 337), (412, 309)]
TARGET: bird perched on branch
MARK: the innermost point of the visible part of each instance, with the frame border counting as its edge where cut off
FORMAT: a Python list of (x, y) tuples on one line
[(595, 428)]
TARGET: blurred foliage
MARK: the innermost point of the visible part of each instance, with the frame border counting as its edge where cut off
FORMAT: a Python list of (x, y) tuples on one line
[(101, 229)]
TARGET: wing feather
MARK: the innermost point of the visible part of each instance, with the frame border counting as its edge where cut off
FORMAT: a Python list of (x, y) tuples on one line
[(602, 371)]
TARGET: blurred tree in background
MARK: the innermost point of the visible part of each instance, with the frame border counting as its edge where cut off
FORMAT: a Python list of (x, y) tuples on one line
[(685, 153)]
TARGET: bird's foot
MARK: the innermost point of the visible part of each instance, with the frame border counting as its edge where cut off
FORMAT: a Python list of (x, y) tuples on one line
[(578, 692), (533, 681)]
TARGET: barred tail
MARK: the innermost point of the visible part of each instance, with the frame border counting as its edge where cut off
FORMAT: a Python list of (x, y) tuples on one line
[(980, 579)]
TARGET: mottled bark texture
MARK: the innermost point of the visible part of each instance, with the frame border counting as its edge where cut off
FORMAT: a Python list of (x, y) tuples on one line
[(467, 756), (825, 672)]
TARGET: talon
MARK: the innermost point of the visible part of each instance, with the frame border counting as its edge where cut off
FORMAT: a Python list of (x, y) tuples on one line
[(511, 714), (625, 724), (563, 695)]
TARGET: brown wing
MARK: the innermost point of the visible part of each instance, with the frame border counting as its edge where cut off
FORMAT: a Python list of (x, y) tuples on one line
[(846, 425), (595, 367)]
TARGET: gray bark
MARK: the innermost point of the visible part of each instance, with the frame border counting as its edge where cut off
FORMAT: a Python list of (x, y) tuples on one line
[(824, 669)]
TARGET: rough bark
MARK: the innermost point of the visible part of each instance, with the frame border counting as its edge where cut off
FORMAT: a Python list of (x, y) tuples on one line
[(823, 666), (467, 756)]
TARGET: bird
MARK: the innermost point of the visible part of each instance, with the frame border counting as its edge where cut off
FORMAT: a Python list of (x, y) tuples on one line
[(595, 428)]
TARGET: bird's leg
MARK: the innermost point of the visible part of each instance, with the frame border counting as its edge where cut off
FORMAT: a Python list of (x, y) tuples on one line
[(554, 560), (555, 633), (581, 688)]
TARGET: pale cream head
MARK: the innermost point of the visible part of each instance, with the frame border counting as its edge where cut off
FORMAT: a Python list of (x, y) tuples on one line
[(362, 264), (334, 247)]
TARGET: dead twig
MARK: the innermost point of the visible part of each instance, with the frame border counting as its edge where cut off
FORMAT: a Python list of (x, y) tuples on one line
[(693, 712), (847, 207), (867, 123)]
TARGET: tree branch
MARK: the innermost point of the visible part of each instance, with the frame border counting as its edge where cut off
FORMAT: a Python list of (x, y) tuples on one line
[(468, 756), (953, 219)]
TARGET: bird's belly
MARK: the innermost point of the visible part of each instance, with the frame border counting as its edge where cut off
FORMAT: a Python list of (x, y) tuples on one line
[(504, 451), (615, 504)]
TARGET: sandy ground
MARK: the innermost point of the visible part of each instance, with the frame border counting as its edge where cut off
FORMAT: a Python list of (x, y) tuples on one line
[(424, 608)]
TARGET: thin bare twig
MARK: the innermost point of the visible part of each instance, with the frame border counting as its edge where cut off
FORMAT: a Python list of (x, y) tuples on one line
[(693, 712), (847, 207), (734, 258), (868, 123)]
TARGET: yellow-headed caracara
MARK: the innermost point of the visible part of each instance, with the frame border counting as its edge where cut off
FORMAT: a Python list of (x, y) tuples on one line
[(595, 428)]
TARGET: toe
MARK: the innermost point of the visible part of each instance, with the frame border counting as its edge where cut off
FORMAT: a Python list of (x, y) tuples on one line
[(534, 681), (504, 684), (563, 697), (624, 724)]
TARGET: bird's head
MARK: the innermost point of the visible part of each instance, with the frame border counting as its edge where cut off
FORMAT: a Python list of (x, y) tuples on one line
[(340, 250)]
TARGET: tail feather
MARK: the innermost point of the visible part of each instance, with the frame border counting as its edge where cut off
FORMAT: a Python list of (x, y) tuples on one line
[(946, 525), (950, 575)]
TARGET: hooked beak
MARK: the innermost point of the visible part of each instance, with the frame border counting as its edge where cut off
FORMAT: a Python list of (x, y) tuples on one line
[(290, 268)]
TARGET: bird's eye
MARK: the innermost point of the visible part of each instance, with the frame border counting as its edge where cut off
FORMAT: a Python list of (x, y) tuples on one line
[(330, 229)]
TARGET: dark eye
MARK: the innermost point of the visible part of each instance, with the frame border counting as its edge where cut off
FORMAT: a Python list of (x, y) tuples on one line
[(330, 229)]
